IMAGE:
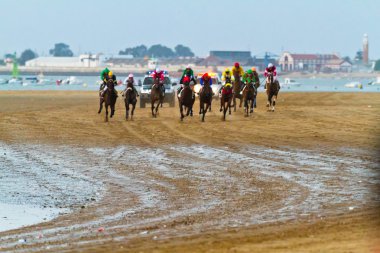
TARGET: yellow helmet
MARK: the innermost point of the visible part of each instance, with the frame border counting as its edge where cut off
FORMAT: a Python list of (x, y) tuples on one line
[(253, 69), (110, 74), (227, 70), (228, 85)]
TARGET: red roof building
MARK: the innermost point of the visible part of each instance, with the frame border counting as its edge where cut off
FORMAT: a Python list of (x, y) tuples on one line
[(305, 62)]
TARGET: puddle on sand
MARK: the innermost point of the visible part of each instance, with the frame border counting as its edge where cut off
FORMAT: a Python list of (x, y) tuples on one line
[(15, 216)]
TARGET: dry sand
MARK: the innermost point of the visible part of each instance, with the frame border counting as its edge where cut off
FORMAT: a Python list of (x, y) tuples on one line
[(197, 212)]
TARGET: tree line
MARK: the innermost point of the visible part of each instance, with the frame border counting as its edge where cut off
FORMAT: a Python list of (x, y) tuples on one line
[(157, 50)]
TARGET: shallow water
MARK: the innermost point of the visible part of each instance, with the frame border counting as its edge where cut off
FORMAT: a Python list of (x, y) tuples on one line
[(132, 189), (90, 83)]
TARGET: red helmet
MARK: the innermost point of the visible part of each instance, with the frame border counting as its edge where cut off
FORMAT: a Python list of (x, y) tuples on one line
[(237, 65), (205, 76), (186, 79)]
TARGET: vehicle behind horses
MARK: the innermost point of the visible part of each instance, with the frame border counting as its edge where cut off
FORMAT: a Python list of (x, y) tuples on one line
[(226, 100), (249, 97), (272, 87), (205, 99), (186, 101), (129, 99), (109, 99), (237, 89), (156, 96)]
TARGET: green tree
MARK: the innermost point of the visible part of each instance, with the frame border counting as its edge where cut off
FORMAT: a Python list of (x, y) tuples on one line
[(160, 51), (61, 50), (377, 65), (183, 51), (136, 52), (359, 56), (27, 55)]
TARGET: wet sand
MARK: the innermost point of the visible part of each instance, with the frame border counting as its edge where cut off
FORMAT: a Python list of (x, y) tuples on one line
[(301, 179)]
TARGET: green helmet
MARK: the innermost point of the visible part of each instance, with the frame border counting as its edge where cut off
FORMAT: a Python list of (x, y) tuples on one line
[(249, 71)]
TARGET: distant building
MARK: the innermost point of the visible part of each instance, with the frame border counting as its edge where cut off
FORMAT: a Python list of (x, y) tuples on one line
[(338, 65), (232, 55), (84, 60), (305, 62), (365, 50)]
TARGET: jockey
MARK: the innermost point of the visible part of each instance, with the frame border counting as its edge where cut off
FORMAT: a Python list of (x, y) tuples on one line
[(108, 77), (237, 70), (159, 74), (227, 76), (130, 82), (257, 83), (103, 77), (205, 79), (188, 72), (270, 69), (249, 78)]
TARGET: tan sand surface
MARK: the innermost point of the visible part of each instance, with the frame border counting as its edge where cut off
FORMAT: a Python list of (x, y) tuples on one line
[(196, 211)]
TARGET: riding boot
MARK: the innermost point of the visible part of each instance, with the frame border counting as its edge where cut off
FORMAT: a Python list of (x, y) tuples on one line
[(135, 91), (179, 90)]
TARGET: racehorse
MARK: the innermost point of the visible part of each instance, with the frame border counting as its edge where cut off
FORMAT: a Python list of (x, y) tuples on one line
[(249, 97), (237, 90), (109, 99), (129, 99), (225, 100), (186, 101), (273, 87), (156, 96), (205, 97)]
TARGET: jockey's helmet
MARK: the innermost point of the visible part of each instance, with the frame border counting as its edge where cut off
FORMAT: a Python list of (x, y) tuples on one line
[(130, 76), (270, 65), (228, 85), (110, 74), (237, 65), (227, 70), (157, 70), (253, 69), (205, 76)]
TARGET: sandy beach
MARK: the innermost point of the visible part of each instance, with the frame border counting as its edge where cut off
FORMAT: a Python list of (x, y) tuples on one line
[(302, 179)]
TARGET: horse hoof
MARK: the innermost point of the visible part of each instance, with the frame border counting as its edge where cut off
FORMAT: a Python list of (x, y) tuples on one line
[(220, 110), (229, 113)]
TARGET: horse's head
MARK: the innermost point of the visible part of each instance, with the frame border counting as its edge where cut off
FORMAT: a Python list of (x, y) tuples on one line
[(110, 84)]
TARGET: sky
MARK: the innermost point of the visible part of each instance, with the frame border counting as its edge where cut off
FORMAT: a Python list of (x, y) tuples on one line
[(298, 26)]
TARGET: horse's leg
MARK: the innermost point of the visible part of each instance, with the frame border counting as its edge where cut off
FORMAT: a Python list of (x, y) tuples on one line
[(133, 110), (181, 110), (112, 109), (229, 106), (251, 109), (156, 111), (241, 102), (101, 101), (274, 102), (225, 107), (152, 107), (234, 99), (204, 111), (106, 119), (126, 111)]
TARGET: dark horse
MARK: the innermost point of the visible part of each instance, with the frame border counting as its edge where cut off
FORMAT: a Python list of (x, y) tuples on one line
[(186, 101), (273, 87), (237, 89), (225, 100), (205, 97), (109, 99), (129, 99), (249, 97), (156, 96)]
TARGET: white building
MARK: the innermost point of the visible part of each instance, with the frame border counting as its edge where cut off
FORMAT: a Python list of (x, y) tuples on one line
[(83, 60)]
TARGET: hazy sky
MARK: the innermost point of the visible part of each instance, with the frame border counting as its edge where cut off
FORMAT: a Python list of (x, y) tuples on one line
[(308, 26)]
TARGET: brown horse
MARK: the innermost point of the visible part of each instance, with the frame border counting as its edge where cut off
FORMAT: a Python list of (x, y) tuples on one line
[(156, 96), (109, 99), (273, 87), (186, 101), (249, 97), (205, 98), (226, 100), (129, 99), (237, 89)]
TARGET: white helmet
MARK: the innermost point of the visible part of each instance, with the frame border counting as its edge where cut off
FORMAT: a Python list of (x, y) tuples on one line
[(130, 76), (188, 66), (270, 65), (157, 70)]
